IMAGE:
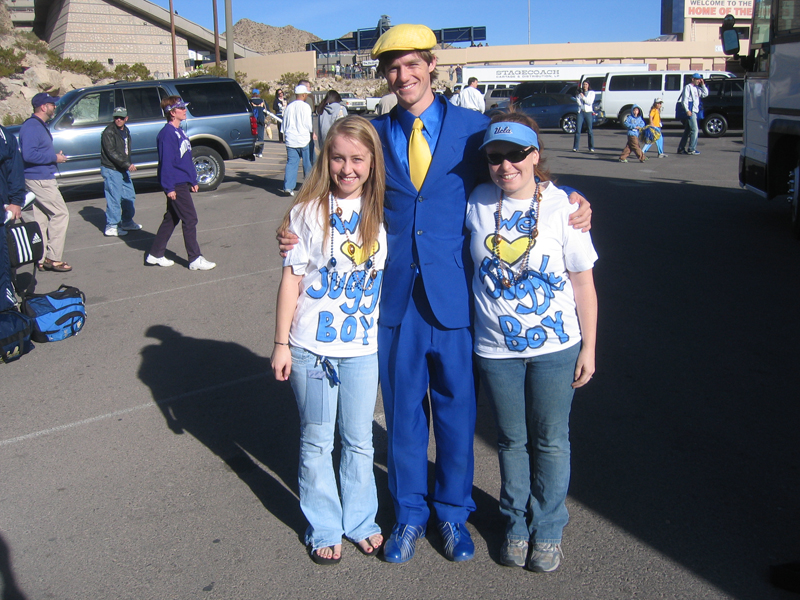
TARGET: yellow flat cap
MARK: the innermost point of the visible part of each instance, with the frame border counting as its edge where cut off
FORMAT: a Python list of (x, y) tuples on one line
[(404, 37)]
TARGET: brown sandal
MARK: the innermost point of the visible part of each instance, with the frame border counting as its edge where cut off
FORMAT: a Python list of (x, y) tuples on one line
[(54, 265)]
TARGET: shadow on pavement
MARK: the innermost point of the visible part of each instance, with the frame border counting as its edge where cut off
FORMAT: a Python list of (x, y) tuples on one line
[(687, 435), (8, 582), (240, 412)]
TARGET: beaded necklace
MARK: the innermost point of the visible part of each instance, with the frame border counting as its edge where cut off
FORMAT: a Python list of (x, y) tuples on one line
[(505, 274), (350, 249)]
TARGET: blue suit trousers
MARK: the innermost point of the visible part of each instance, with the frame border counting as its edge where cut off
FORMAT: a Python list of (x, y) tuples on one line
[(416, 357)]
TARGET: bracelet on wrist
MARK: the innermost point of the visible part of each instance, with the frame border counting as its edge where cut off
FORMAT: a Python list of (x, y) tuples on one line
[(281, 343)]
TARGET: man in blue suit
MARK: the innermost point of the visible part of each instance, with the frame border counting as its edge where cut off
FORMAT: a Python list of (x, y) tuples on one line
[(424, 335)]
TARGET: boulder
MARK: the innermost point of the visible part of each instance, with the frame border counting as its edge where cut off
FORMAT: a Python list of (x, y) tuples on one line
[(41, 79), (72, 81)]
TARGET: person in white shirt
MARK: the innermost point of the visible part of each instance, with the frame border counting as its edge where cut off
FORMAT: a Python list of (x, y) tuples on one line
[(690, 100), (471, 96), (585, 115), (298, 134)]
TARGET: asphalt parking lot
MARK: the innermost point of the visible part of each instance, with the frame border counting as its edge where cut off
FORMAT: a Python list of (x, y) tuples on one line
[(153, 456)]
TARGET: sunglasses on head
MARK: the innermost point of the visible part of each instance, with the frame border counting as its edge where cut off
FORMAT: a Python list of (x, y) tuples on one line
[(515, 156)]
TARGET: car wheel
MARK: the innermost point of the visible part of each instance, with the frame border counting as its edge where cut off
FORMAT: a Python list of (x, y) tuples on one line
[(623, 114), (569, 123), (715, 126), (795, 198), (210, 168)]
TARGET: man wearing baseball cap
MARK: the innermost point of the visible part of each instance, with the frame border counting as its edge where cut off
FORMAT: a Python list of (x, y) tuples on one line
[(298, 135), (690, 100), (40, 160), (424, 336), (116, 168)]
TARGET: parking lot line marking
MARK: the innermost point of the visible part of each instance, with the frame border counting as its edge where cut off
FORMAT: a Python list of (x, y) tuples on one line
[(183, 287), (125, 411)]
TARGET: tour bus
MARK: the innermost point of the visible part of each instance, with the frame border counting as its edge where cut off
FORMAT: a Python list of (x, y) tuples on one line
[(769, 162), (622, 90)]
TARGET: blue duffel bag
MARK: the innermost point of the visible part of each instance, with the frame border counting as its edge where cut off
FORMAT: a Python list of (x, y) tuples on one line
[(57, 315)]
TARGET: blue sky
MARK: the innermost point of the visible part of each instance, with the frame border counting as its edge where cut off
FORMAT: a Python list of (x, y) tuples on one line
[(506, 21)]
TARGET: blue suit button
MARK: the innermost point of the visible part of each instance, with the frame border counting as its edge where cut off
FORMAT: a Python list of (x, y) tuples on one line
[(413, 266), (420, 232)]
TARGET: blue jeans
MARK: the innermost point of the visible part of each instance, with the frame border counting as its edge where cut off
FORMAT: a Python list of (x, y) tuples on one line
[(584, 117), (120, 196), (531, 399), (293, 157), (690, 134), (353, 515)]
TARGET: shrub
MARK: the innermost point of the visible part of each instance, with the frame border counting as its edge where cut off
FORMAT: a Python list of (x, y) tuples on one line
[(134, 72), (261, 86), (9, 120), (10, 62), (94, 69), (291, 79), (29, 42)]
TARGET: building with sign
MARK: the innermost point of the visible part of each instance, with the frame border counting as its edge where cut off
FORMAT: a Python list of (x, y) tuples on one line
[(700, 20)]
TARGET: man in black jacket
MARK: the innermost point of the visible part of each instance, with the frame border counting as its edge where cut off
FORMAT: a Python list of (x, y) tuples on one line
[(116, 168), (12, 196)]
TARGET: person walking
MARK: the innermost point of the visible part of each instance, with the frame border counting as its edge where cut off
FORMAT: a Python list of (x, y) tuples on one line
[(585, 115), (634, 122), (116, 168), (471, 96), (299, 136), (653, 130), (278, 106), (258, 106), (40, 160), (330, 110), (690, 101), (178, 178)]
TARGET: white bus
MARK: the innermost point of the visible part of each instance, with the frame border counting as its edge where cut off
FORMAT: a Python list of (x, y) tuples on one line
[(514, 74), (769, 162)]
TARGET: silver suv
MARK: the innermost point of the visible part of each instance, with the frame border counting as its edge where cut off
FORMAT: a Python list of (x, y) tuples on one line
[(219, 123)]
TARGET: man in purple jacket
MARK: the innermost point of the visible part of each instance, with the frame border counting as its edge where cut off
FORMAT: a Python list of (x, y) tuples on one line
[(40, 160), (178, 178)]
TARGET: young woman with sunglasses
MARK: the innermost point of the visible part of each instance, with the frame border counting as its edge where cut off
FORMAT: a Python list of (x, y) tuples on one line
[(535, 325)]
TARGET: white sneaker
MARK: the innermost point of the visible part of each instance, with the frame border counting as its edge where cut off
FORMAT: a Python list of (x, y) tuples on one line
[(132, 226), (201, 264), (161, 262), (115, 232)]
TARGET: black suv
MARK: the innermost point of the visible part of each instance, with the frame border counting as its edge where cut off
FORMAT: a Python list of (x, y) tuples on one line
[(219, 123), (723, 108), (528, 88)]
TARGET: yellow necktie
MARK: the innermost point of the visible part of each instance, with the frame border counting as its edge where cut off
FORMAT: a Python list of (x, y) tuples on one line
[(419, 155)]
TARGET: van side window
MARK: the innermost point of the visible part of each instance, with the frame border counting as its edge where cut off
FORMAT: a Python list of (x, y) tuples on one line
[(673, 83), (143, 104), (635, 83), (223, 98), (91, 110)]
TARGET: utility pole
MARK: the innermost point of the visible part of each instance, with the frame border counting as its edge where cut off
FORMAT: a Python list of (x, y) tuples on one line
[(529, 22), (172, 33), (229, 43), (216, 33)]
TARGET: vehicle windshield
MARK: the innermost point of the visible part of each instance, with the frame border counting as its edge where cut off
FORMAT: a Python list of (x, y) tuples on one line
[(65, 101)]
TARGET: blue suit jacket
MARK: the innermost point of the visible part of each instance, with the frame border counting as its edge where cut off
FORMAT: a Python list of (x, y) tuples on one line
[(425, 229)]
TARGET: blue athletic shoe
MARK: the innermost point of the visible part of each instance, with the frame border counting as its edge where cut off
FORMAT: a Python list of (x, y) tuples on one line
[(458, 544), (402, 543)]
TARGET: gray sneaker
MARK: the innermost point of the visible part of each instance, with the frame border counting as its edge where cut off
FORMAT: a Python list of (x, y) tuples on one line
[(114, 232), (545, 558), (514, 553)]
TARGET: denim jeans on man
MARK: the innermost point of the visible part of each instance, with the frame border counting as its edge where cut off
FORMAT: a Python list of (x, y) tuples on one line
[(690, 134), (319, 402), (120, 197), (293, 157), (584, 117), (531, 399)]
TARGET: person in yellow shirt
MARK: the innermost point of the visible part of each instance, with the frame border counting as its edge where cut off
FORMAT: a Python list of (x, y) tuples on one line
[(652, 133)]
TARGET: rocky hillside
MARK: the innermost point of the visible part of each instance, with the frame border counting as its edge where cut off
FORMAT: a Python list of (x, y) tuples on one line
[(267, 39)]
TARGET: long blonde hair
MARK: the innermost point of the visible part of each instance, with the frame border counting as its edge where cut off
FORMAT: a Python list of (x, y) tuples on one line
[(317, 188)]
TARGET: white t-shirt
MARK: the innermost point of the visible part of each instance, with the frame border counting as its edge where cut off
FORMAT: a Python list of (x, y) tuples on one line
[(585, 103), (337, 310), (537, 315), (472, 98), (297, 124)]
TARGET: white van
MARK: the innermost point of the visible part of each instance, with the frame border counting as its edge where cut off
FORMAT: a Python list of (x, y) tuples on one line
[(622, 90)]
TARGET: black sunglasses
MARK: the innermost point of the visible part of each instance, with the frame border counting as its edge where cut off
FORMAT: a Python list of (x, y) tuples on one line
[(115, 118), (515, 156)]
